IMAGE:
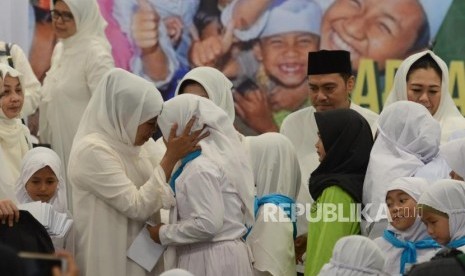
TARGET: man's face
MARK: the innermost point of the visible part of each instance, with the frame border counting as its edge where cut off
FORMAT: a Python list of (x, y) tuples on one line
[(284, 56), (330, 91), (373, 29)]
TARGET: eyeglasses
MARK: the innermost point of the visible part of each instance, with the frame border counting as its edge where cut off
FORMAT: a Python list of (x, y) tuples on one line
[(65, 16)]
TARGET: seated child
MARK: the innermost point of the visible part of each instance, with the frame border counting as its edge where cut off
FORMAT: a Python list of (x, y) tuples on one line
[(42, 179), (442, 208), (354, 255), (405, 240)]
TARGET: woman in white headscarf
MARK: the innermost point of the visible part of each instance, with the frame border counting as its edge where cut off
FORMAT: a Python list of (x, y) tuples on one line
[(405, 240), (15, 138), (118, 182), (214, 193), (354, 256), (408, 138), (277, 180), (80, 59), (424, 78)]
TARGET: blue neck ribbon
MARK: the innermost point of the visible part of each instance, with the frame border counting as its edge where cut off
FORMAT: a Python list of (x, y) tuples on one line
[(409, 254), (191, 156), (286, 203), (457, 243)]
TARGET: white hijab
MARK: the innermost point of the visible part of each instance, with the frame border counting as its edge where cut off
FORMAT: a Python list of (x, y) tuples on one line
[(454, 154), (34, 160), (11, 129), (447, 196), (408, 138), (354, 256), (90, 24), (222, 146), (216, 84), (275, 165), (414, 187), (121, 102), (15, 141), (448, 115)]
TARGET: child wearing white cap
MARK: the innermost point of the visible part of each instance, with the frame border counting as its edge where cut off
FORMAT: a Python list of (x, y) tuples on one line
[(277, 64), (405, 240), (443, 212)]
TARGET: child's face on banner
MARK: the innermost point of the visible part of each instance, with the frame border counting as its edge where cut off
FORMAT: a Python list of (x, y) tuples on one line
[(373, 29), (284, 56)]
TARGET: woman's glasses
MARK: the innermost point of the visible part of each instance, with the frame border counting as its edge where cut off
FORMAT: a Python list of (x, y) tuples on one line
[(65, 16)]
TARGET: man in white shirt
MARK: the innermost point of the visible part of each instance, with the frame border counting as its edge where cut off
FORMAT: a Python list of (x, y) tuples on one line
[(331, 82)]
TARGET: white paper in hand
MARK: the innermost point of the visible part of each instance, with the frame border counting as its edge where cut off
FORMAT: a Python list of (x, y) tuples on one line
[(144, 251)]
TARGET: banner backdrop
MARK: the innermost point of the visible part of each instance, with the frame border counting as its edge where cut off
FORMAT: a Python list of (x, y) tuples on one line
[(262, 47)]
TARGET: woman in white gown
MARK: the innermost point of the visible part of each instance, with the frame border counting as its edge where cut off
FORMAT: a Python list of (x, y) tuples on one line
[(118, 181)]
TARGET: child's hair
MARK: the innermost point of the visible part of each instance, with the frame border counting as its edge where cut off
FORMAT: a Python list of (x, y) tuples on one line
[(422, 208)]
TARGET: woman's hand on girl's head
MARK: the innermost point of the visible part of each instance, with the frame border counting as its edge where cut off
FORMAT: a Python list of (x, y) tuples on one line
[(179, 146), (8, 211)]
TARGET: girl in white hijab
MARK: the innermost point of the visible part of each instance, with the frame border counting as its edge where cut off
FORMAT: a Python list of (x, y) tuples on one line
[(408, 138), (443, 212), (277, 180), (405, 240), (354, 256), (79, 60), (454, 154), (35, 160), (15, 138), (118, 182), (210, 83), (214, 193), (430, 88), (42, 179)]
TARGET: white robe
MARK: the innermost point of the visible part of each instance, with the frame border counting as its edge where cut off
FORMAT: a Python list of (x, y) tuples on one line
[(210, 222), (276, 171), (300, 127), (115, 195), (117, 185), (78, 63)]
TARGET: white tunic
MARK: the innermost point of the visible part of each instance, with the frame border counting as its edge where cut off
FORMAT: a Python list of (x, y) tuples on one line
[(210, 222), (117, 185), (78, 63), (276, 171), (114, 194), (300, 127)]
